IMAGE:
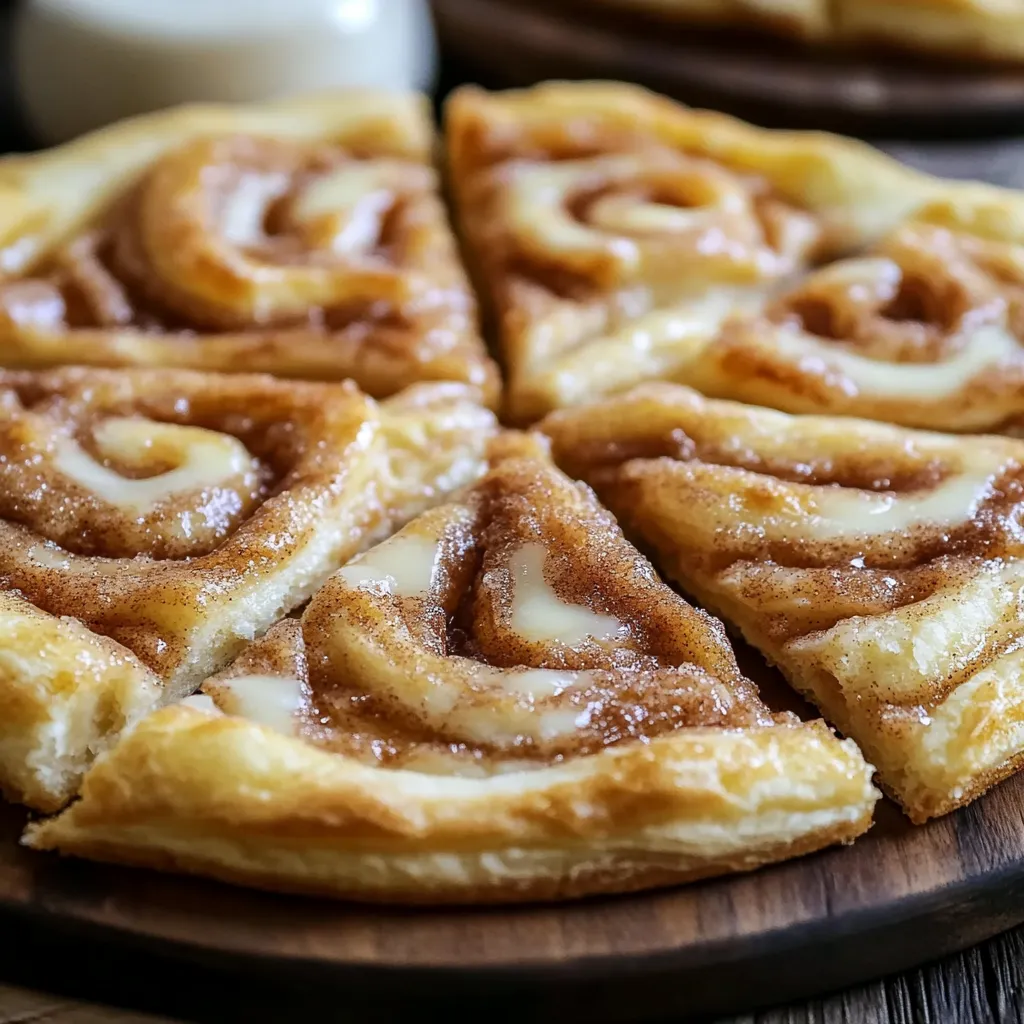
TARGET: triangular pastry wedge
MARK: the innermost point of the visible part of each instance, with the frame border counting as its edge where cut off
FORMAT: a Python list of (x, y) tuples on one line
[(620, 238), (880, 568), (502, 701), (303, 238), (153, 523)]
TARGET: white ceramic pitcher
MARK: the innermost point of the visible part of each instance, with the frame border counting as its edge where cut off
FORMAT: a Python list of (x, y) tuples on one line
[(81, 64)]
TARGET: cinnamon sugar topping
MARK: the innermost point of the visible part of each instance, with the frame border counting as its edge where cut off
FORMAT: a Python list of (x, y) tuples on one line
[(622, 239), (888, 586), (512, 629), (319, 257), (182, 513)]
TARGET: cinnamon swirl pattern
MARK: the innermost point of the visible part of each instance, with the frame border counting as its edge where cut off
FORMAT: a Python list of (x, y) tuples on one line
[(304, 239), (152, 523), (924, 329), (502, 701), (621, 238), (879, 568)]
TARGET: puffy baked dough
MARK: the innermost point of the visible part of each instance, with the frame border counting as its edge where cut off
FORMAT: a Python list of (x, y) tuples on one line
[(621, 238), (303, 238), (169, 518), (64, 692), (500, 702), (879, 568), (924, 329)]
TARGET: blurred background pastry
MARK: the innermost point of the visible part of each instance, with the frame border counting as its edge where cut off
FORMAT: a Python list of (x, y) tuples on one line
[(895, 69), (982, 29)]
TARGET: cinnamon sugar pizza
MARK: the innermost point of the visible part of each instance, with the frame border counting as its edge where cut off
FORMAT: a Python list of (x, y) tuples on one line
[(621, 238), (880, 568), (152, 523), (986, 29), (303, 238), (502, 701)]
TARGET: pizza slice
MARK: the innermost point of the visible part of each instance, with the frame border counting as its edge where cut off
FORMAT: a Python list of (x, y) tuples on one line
[(879, 568)]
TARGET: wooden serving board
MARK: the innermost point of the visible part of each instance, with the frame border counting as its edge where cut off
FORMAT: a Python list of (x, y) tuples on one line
[(767, 80), (896, 898)]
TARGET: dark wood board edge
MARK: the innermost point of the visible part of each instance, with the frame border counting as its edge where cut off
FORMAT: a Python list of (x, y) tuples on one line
[(691, 984)]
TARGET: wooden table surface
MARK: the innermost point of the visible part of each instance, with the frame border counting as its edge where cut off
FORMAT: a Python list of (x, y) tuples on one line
[(984, 985)]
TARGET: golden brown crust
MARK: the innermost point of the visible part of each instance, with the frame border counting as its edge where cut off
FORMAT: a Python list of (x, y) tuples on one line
[(630, 873), (64, 694), (330, 826), (304, 238), (178, 793), (500, 702), (179, 515), (879, 568), (620, 238)]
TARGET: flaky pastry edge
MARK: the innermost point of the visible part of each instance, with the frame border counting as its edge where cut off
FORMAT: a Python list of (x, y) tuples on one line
[(224, 797)]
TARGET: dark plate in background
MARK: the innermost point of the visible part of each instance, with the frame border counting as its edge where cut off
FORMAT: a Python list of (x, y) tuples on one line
[(764, 79)]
